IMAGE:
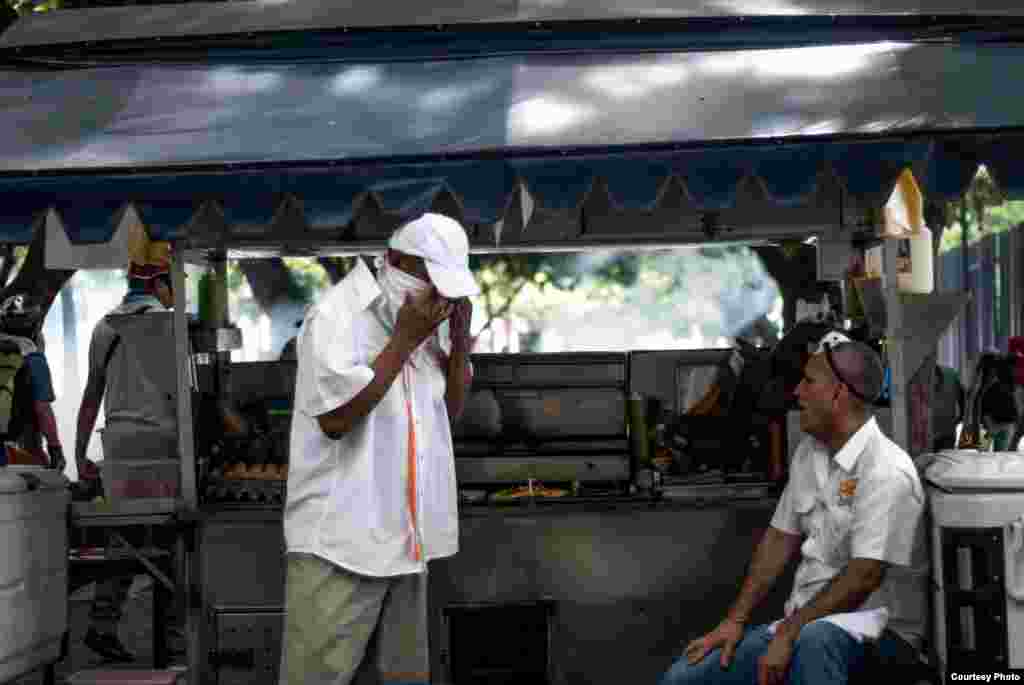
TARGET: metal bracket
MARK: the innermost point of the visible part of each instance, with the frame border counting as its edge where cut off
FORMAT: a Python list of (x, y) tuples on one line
[(150, 566), (710, 224)]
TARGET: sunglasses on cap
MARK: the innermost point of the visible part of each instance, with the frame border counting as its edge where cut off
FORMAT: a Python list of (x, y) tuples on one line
[(827, 346)]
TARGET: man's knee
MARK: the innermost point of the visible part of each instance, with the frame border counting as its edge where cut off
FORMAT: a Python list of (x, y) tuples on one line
[(683, 672), (816, 633), (821, 640)]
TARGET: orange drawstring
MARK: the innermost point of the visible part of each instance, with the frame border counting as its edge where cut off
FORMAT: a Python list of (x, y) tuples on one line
[(417, 552)]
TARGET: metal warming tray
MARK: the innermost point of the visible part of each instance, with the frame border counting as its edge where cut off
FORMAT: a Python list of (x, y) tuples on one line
[(551, 417)]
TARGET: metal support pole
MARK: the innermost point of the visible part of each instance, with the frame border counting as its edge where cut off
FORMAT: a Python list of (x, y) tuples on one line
[(219, 261), (187, 559), (186, 449), (221, 319), (1015, 274), (186, 443), (894, 332)]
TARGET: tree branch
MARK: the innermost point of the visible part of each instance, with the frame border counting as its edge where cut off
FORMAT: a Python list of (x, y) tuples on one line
[(504, 308), (795, 277), (488, 300)]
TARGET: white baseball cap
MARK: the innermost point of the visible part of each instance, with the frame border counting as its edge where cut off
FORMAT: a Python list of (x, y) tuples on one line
[(442, 243)]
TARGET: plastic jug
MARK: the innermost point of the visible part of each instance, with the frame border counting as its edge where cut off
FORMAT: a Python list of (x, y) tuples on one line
[(916, 274), (904, 221)]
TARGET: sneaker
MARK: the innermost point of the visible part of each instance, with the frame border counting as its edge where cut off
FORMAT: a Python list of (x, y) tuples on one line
[(107, 645)]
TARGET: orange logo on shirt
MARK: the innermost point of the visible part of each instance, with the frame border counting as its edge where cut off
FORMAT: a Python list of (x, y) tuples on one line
[(847, 488)]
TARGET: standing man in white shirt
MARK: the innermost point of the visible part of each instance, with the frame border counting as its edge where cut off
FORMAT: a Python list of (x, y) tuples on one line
[(383, 366), (853, 509)]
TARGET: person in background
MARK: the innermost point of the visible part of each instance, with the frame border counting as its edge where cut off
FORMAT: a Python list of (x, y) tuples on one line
[(371, 484), (853, 509), (130, 412), (26, 389), (288, 352)]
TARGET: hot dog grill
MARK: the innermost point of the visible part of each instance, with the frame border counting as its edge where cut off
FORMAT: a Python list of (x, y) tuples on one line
[(556, 418)]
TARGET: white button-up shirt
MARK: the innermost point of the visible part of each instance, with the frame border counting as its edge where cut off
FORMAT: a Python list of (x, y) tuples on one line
[(865, 502), (348, 499)]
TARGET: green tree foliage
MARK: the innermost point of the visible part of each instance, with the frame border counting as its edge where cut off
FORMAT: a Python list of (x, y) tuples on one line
[(503, 278), (713, 291), (19, 7), (983, 210)]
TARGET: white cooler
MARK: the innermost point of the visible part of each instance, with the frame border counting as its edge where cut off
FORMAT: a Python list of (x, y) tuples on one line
[(977, 509), (33, 568)]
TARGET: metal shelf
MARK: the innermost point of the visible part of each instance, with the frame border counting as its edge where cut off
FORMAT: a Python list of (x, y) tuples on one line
[(913, 326), (923, 320)]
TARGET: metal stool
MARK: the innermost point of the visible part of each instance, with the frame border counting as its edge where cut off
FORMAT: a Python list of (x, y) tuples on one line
[(127, 677)]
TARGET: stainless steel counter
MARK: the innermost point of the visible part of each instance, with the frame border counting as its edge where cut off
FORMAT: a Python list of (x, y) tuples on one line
[(627, 580)]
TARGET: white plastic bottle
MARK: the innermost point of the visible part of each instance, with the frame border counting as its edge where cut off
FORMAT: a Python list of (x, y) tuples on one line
[(920, 277)]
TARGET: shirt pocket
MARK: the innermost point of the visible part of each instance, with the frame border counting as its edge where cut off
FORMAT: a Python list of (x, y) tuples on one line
[(809, 515), (803, 508)]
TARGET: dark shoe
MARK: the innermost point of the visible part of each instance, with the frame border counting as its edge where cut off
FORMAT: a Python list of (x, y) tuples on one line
[(107, 645)]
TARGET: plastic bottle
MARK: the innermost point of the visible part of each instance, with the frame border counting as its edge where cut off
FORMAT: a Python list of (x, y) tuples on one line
[(904, 220), (638, 429), (919, 277)]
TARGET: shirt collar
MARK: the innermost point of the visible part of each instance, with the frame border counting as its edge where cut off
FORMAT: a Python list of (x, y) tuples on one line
[(133, 302), (847, 456), (354, 293)]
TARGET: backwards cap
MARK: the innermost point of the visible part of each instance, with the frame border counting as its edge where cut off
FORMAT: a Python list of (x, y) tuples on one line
[(147, 258)]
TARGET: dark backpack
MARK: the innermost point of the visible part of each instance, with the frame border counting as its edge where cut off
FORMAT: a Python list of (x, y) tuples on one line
[(11, 363)]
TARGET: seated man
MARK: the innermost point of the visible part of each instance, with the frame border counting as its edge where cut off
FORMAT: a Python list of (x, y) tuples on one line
[(853, 508)]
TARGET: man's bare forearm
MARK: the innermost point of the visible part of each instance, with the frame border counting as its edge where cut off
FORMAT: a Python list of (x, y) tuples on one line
[(386, 368), (88, 412), (770, 558), (47, 423), (458, 381), (846, 592)]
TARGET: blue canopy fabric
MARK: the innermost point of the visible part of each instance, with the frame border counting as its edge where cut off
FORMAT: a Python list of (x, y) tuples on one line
[(330, 198), (317, 141)]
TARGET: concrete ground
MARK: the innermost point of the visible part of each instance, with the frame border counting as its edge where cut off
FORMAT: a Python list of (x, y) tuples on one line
[(136, 631)]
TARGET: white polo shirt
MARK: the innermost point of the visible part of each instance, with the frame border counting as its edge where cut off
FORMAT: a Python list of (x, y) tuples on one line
[(865, 502), (348, 499)]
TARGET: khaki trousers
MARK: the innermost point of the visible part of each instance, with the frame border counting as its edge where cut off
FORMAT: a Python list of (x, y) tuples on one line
[(338, 623)]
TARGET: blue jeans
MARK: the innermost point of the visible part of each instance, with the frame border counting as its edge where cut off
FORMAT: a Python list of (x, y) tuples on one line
[(824, 653)]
